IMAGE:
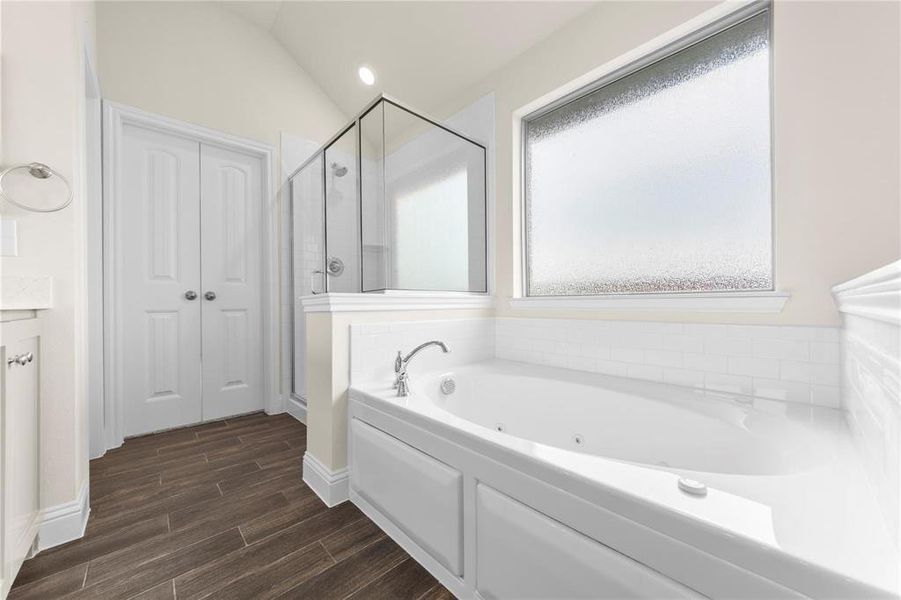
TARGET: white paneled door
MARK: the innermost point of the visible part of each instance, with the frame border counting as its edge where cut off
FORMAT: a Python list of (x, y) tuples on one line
[(230, 197), (187, 270), (158, 270)]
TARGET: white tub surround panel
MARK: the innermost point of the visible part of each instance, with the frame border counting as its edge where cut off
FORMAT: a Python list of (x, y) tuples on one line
[(582, 564), (373, 346), (414, 489), (871, 342), (795, 364)]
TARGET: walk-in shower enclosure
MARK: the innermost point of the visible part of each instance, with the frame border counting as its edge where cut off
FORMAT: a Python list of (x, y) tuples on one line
[(394, 202)]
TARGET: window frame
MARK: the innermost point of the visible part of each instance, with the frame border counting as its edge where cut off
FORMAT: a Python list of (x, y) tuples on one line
[(768, 300)]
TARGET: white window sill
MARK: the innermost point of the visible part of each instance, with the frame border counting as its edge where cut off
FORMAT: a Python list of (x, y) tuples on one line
[(371, 302), (730, 302)]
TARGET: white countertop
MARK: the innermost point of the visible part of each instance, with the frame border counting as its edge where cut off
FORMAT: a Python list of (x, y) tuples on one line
[(26, 293)]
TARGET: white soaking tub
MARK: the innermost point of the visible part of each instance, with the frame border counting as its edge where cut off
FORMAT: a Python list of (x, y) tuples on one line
[(531, 481)]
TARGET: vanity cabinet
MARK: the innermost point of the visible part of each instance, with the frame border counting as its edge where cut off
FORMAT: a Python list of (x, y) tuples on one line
[(20, 346)]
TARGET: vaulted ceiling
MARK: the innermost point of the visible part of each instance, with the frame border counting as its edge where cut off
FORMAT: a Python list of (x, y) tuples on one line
[(422, 52)]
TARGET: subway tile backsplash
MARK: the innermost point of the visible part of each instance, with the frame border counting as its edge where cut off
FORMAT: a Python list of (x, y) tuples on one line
[(872, 398), (795, 364), (373, 346)]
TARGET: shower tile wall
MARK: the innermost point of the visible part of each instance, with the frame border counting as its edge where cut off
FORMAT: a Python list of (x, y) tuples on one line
[(795, 364)]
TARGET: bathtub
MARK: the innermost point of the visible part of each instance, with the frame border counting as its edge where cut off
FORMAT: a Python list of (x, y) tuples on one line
[(532, 481)]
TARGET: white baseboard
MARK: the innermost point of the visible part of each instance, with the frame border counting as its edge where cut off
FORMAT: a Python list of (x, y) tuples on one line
[(297, 409), (64, 522), (331, 486)]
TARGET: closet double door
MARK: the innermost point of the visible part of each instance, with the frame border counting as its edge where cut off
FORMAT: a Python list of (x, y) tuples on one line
[(187, 270)]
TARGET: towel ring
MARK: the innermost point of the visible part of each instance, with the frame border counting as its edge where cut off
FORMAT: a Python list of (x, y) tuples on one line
[(38, 171)]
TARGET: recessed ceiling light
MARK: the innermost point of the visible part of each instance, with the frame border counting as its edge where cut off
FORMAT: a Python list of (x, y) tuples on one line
[(366, 75)]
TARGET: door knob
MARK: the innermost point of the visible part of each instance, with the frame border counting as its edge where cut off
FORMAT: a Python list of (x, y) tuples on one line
[(191, 295), (210, 296)]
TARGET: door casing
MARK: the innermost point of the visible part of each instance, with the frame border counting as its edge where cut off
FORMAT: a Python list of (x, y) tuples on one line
[(114, 117)]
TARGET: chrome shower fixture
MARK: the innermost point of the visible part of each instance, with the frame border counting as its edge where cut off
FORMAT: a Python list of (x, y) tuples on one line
[(338, 170)]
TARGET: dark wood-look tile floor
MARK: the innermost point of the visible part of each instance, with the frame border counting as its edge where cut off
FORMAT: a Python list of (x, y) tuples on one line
[(219, 510)]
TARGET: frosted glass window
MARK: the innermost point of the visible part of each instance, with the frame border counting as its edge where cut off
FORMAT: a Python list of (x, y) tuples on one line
[(659, 181)]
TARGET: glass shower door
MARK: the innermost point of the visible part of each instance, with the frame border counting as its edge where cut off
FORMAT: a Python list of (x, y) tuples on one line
[(342, 215), (307, 229)]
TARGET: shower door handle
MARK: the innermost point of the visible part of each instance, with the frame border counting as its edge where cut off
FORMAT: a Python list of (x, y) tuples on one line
[(313, 281), (335, 266), (210, 296)]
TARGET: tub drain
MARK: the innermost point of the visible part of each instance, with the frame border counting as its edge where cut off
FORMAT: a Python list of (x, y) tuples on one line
[(500, 427), (448, 386), (578, 439)]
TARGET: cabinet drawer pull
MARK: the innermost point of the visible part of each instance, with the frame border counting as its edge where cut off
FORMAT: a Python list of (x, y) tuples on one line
[(20, 359)]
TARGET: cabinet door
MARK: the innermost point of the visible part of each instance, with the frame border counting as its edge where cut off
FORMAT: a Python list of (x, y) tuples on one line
[(19, 422)]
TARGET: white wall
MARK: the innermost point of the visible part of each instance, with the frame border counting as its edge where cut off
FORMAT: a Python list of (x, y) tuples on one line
[(200, 63), (836, 121), (43, 118)]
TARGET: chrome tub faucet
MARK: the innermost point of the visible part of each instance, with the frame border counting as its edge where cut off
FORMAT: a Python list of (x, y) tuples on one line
[(401, 381)]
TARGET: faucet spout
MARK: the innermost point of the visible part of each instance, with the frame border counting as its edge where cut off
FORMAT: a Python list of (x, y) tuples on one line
[(422, 347), (401, 381)]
